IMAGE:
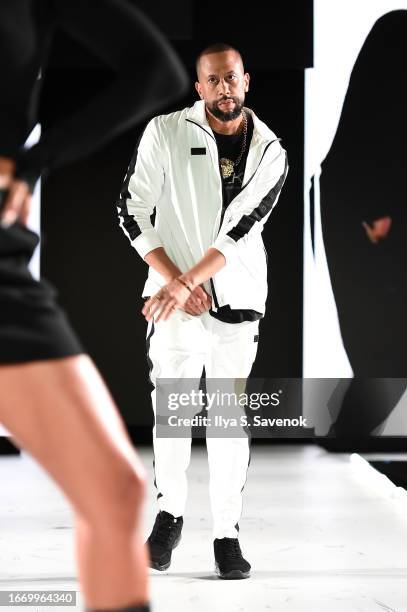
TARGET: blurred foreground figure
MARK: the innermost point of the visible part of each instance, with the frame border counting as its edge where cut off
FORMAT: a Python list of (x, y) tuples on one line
[(52, 399)]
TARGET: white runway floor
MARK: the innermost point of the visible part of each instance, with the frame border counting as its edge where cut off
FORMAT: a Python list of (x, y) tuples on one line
[(319, 536)]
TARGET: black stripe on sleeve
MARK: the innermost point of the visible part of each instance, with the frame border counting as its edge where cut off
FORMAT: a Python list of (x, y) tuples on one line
[(247, 221), (129, 223)]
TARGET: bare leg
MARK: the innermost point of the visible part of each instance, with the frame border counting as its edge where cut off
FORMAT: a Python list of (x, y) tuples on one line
[(61, 412)]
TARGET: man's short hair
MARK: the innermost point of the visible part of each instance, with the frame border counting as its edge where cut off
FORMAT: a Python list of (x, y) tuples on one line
[(214, 48)]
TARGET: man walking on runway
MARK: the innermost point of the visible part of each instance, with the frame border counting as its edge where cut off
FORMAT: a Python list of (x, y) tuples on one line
[(213, 173)]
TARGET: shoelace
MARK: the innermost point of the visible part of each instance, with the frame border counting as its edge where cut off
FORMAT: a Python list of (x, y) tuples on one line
[(163, 531), (231, 548)]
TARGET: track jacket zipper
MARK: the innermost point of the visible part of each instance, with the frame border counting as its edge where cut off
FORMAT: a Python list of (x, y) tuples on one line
[(215, 299)]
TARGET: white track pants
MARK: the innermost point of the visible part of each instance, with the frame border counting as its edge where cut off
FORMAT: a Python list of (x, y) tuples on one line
[(179, 348)]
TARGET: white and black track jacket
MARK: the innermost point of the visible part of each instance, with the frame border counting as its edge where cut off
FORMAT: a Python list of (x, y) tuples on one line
[(175, 171)]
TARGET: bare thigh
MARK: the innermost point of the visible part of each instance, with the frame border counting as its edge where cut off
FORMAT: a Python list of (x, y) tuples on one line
[(61, 412)]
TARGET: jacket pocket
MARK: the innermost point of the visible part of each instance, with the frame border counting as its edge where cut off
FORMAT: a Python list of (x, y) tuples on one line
[(240, 283), (253, 257)]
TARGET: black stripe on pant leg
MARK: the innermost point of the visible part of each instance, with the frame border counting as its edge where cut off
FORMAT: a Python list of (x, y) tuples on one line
[(150, 368), (247, 429), (249, 442)]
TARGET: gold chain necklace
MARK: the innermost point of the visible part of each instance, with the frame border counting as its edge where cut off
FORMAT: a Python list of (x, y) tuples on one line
[(227, 166)]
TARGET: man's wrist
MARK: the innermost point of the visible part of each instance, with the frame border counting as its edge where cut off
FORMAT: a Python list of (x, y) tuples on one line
[(187, 280), (171, 275)]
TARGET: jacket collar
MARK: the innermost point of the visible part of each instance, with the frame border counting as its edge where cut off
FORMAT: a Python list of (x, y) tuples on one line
[(197, 114)]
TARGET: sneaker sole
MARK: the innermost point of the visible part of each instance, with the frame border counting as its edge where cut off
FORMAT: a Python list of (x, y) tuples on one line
[(232, 575), (162, 568)]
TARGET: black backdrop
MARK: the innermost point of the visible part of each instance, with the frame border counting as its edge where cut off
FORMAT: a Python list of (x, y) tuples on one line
[(86, 255)]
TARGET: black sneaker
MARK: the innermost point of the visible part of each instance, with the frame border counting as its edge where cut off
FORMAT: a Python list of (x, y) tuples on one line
[(165, 536), (229, 561)]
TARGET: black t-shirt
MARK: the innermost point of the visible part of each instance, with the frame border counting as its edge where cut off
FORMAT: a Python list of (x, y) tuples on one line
[(229, 146)]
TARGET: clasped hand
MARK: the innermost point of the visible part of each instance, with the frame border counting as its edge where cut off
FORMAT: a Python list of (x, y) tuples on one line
[(175, 295)]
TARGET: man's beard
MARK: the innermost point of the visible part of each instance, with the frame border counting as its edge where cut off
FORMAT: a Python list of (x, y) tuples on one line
[(226, 115)]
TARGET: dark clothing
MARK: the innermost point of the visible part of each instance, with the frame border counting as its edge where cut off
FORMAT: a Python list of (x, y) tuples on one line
[(120, 35), (229, 146), (32, 326)]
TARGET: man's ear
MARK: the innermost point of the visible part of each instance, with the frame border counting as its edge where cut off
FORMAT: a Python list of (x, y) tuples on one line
[(198, 89), (247, 81)]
